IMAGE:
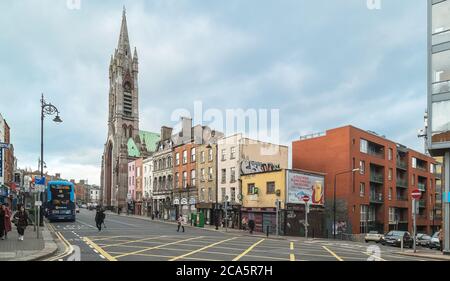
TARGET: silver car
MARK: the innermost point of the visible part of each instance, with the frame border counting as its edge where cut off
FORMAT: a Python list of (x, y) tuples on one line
[(373, 236)]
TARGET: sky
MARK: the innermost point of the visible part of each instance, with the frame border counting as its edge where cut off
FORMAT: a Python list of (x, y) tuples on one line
[(322, 64)]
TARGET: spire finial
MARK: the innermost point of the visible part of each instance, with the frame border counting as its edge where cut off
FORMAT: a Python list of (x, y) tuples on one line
[(124, 11)]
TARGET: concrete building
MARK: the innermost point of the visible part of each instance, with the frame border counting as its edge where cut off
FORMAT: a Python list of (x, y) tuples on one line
[(238, 155), (438, 123), (125, 142), (94, 194), (378, 196)]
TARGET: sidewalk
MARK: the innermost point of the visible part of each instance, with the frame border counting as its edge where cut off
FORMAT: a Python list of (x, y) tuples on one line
[(425, 254), (213, 228), (30, 249)]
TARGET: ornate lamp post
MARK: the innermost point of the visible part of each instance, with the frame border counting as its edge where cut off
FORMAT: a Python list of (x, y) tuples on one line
[(47, 109)]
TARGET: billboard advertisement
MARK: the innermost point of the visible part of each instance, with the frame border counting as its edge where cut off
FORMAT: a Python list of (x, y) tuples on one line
[(299, 184)]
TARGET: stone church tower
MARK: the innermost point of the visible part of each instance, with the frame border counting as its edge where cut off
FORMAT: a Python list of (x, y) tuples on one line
[(123, 122)]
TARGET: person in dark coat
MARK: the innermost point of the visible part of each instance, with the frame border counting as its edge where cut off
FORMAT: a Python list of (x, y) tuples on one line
[(21, 221), (2, 222), (99, 218), (251, 225)]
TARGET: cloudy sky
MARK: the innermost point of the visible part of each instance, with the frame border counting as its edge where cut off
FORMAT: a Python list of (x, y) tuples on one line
[(322, 63)]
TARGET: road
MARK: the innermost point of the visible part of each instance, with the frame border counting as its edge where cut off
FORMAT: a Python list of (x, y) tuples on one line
[(134, 239)]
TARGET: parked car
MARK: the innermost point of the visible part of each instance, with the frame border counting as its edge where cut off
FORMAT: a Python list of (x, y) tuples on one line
[(434, 242), (373, 236), (394, 238), (77, 209), (84, 206), (423, 240)]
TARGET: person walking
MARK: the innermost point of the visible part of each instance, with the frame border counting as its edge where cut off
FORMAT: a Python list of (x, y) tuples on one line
[(21, 221), (251, 225), (8, 216), (2, 222), (180, 223), (441, 239), (100, 218)]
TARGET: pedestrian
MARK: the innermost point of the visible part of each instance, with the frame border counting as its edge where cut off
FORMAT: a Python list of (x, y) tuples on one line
[(21, 221), (251, 225), (244, 223), (99, 218), (153, 216), (441, 239), (180, 223), (8, 216), (2, 222)]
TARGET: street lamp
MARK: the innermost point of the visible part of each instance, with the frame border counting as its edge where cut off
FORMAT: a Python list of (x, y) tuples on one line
[(47, 109), (334, 202)]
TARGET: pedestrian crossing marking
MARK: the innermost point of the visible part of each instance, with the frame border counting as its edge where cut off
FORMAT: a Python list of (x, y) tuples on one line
[(158, 247), (248, 250)]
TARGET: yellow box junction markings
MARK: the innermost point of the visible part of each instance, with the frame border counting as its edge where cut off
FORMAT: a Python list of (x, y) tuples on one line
[(99, 249), (248, 250), (157, 247), (135, 241), (333, 253), (201, 249)]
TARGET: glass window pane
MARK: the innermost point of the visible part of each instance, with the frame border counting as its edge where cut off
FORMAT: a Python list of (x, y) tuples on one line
[(441, 121), (441, 22), (441, 72)]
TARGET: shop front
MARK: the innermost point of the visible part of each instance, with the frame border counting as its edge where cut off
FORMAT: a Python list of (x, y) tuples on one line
[(4, 193), (264, 218), (207, 209)]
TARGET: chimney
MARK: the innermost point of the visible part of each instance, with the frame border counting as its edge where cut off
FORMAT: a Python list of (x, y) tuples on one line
[(186, 129), (166, 133)]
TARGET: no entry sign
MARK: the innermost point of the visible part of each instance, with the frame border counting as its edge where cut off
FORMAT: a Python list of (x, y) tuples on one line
[(416, 194), (306, 198)]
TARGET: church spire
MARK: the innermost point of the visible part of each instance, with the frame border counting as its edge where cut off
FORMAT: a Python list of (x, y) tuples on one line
[(124, 43)]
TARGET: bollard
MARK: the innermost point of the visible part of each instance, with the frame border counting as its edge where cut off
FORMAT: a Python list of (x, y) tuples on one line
[(401, 245), (267, 231)]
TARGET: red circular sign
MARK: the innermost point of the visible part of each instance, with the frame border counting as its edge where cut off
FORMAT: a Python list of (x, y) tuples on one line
[(416, 194), (305, 198)]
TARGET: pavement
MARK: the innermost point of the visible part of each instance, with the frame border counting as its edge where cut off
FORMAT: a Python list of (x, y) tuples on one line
[(130, 238), (30, 249), (425, 253)]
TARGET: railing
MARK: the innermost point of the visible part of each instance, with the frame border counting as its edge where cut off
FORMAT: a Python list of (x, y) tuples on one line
[(402, 165), (402, 198), (376, 178), (441, 87), (312, 136), (375, 152), (402, 183), (421, 168), (376, 198)]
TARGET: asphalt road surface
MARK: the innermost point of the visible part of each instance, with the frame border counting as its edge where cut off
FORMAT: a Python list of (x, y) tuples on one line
[(134, 239)]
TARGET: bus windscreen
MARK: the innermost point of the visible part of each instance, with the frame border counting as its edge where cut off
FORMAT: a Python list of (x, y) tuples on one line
[(60, 195)]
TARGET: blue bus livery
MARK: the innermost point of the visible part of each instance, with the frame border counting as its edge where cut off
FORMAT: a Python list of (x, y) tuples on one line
[(60, 201)]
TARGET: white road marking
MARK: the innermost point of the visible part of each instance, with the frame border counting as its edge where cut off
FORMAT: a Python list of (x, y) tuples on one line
[(102, 256)]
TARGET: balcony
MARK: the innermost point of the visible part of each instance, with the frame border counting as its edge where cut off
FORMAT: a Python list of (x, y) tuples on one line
[(402, 183), (377, 178), (376, 198), (402, 165), (441, 87), (422, 187), (402, 198)]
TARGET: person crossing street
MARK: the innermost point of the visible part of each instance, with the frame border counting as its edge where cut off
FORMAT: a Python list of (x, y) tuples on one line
[(180, 223), (100, 218)]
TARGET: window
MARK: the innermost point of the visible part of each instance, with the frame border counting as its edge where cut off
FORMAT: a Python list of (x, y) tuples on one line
[(362, 189), (202, 174), (363, 213), (233, 153), (413, 180), (202, 157), (224, 175), (155, 165), (233, 174), (432, 168), (193, 178), (392, 216), (440, 22), (210, 194), (224, 154), (138, 172), (224, 193), (441, 120), (251, 189), (390, 194), (177, 159), (177, 179), (193, 154), (414, 162), (210, 173), (184, 183), (210, 154), (364, 146), (362, 167), (185, 157), (390, 152), (271, 187), (233, 194), (390, 174)]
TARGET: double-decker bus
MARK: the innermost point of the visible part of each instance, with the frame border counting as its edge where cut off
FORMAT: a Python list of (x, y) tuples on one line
[(60, 203)]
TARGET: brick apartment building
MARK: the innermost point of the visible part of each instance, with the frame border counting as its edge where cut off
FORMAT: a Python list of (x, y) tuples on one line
[(378, 196)]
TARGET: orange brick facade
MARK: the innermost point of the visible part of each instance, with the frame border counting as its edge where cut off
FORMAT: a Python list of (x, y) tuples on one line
[(383, 189)]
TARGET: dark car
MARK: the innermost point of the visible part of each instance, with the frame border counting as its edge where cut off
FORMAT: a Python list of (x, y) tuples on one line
[(423, 240), (394, 238)]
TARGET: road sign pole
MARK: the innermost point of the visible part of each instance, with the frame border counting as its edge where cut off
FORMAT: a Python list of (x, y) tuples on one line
[(306, 219), (276, 216), (446, 202), (414, 202)]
